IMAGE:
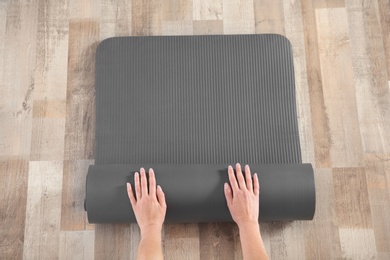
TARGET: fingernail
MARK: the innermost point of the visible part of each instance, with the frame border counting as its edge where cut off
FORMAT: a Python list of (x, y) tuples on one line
[(226, 186), (128, 186), (159, 187), (136, 174), (255, 175)]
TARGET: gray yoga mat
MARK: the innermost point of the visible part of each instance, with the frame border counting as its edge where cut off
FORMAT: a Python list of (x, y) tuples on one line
[(194, 193), (196, 100)]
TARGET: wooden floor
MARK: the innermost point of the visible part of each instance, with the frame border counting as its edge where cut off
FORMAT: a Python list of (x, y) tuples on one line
[(342, 69)]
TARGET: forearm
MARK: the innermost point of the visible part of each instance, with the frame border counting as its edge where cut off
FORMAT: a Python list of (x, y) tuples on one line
[(150, 244), (251, 242)]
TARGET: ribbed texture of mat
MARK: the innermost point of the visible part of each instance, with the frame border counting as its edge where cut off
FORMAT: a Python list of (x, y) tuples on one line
[(196, 99)]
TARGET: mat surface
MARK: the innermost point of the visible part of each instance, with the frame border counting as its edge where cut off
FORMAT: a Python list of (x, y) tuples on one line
[(196, 99), (194, 193), (185, 103)]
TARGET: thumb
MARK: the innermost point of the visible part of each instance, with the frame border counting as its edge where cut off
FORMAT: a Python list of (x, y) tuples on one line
[(161, 197), (228, 194)]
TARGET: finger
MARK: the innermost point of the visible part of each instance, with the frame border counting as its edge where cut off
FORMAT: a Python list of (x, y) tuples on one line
[(131, 195), (256, 184), (138, 192), (161, 197), (152, 182), (240, 177), (248, 178), (232, 179), (228, 194), (144, 183)]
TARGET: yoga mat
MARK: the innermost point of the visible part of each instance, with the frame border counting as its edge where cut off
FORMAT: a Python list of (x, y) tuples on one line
[(197, 102), (194, 193), (196, 99)]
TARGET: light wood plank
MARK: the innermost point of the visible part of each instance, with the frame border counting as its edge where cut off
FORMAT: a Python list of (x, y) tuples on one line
[(295, 34), (49, 108), (369, 64), (43, 210), (207, 10), (18, 27), (238, 20), (322, 239), (13, 196), (207, 27), (80, 99), (380, 212), (181, 241), (269, 16), (174, 10), (357, 243), (3, 22), (17, 85), (377, 168), (146, 17), (115, 241), (352, 203), (47, 142), (77, 245), (115, 18), (320, 121), (287, 241), (338, 88), (328, 3), (384, 7), (177, 28), (73, 215), (216, 240), (84, 9), (52, 51)]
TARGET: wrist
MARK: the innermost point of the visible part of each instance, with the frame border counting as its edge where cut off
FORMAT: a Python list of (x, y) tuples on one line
[(151, 230), (248, 225)]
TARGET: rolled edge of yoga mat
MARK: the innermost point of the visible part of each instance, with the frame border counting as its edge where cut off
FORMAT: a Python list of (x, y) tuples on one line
[(194, 192)]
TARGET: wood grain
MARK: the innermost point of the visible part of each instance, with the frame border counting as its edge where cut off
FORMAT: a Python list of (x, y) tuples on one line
[(361, 239), (73, 215), (320, 120), (181, 241), (114, 241), (52, 51), (324, 224), (115, 18), (77, 244), (295, 34), (352, 204), (80, 98), (47, 142), (146, 17), (216, 240), (207, 10), (269, 16), (238, 20), (16, 91), (384, 7), (338, 87), (13, 196), (369, 63), (43, 210), (206, 27)]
